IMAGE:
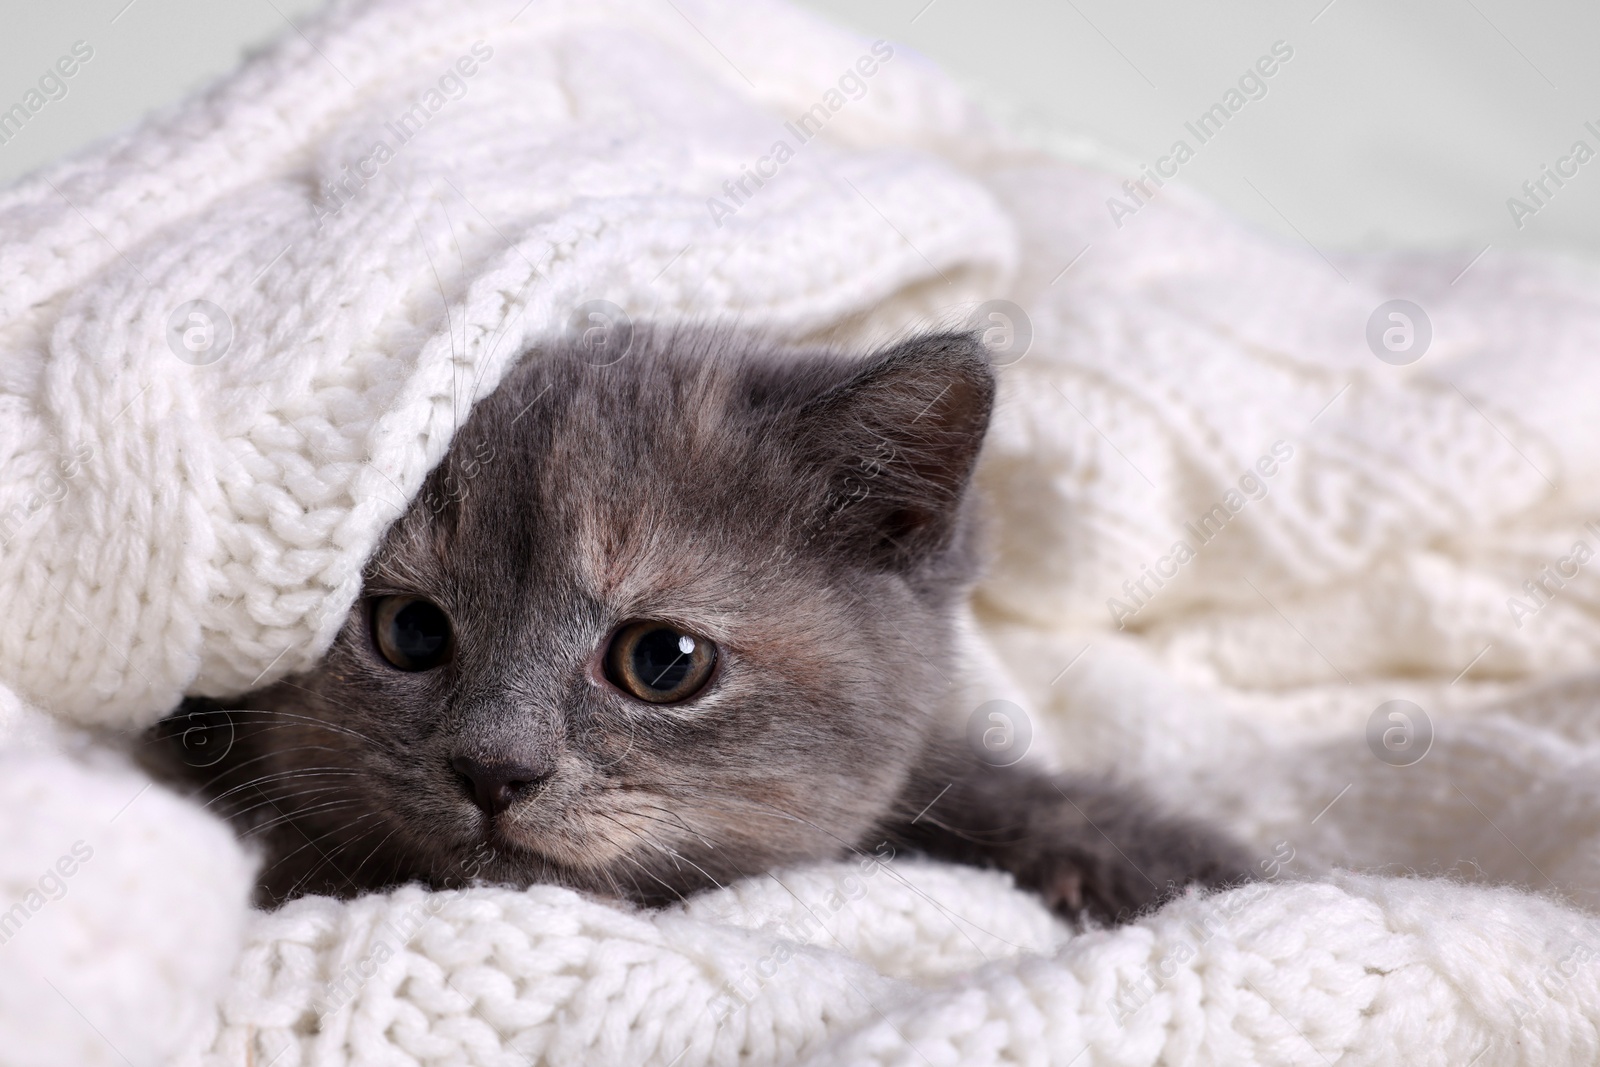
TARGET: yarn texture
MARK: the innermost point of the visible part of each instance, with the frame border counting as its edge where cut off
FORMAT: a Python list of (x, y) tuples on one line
[(234, 339)]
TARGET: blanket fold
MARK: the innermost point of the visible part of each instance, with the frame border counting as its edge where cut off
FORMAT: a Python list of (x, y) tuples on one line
[(1232, 539)]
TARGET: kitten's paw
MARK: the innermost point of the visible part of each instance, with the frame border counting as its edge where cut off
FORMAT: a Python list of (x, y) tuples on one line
[(1118, 877), (1091, 848)]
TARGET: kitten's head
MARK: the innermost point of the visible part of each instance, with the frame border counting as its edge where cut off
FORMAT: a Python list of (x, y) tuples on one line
[(648, 626)]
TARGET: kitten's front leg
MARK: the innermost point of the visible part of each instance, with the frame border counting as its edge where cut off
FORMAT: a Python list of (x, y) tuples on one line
[(1085, 846)]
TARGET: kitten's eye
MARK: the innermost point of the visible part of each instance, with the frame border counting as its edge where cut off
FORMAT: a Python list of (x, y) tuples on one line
[(411, 633), (659, 663)]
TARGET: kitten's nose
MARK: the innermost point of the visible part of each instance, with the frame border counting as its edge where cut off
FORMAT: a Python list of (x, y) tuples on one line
[(495, 786)]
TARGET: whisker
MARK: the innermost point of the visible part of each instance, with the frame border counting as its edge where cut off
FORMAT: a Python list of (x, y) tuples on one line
[(679, 819), (205, 787), (289, 818), (636, 863), (285, 775), (381, 842), (296, 794), (746, 803), (326, 859), (299, 718)]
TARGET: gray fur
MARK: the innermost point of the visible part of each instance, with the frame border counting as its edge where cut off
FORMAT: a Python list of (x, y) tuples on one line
[(806, 511)]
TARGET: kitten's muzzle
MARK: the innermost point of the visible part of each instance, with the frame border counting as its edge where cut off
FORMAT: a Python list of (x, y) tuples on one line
[(496, 786)]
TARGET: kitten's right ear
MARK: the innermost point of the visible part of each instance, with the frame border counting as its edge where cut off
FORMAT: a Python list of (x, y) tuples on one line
[(896, 444)]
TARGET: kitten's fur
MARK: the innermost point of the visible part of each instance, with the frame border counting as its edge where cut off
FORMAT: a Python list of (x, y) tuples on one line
[(808, 513)]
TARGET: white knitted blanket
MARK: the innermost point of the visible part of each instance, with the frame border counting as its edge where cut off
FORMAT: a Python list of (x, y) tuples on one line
[(1227, 536)]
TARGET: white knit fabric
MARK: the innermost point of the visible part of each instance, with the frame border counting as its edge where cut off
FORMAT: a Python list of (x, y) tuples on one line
[(212, 537), (201, 528)]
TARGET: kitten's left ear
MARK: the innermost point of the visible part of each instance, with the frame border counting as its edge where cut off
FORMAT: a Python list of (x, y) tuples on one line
[(897, 443)]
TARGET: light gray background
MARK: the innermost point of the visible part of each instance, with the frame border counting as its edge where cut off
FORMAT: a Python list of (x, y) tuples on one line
[(1394, 123)]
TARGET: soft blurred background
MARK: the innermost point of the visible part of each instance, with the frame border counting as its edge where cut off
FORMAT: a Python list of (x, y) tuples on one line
[(1393, 123)]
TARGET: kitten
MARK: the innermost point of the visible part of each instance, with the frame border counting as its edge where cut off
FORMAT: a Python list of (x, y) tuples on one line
[(659, 624)]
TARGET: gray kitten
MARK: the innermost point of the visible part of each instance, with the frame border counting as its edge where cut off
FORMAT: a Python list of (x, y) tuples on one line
[(660, 624)]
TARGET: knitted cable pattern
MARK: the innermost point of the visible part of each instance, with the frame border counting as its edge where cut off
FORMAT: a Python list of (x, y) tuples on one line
[(1357, 532), (213, 536)]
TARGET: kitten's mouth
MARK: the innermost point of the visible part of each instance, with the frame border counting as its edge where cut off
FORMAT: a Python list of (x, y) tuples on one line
[(569, 839)]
